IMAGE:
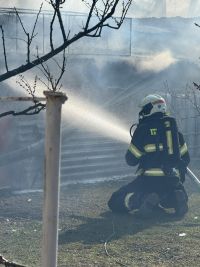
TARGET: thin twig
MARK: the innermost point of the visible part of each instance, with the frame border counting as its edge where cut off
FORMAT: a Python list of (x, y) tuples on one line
[(44, 68), (20, 20), (26, 85), (36, 20), (62, 71), (29, 36)]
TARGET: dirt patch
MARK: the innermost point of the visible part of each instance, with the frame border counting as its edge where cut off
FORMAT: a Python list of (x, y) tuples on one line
[(87, 227)]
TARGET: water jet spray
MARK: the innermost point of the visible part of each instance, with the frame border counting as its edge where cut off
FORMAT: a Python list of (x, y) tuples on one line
[(83, 114), (80, 113)]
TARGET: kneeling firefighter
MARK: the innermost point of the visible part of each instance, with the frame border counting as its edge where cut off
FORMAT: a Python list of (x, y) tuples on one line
[(160, 152)]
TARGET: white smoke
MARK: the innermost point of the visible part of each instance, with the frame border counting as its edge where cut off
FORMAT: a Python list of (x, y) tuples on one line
[(157, 62), (29, 4), (139, 8), (178, 8)]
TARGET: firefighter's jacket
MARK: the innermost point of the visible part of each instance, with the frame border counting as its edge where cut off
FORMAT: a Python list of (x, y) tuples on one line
[(146, 149)]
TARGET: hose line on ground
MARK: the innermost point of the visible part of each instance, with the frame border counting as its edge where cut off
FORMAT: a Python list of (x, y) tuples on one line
[(106, 249)]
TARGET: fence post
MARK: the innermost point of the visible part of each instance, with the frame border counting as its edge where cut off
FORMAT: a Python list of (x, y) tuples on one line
[(54, 101)]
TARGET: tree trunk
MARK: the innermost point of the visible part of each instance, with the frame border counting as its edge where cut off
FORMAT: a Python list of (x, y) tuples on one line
[(51, 179)]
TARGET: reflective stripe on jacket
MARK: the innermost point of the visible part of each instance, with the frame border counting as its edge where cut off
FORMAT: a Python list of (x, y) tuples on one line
[(156, 172), (146, 147)]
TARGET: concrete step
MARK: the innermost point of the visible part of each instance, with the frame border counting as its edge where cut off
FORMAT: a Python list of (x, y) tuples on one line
[(98, 174)]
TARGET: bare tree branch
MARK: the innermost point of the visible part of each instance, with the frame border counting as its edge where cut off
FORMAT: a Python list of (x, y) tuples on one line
[(54, 82), (20, 20), (197, 86), (103, 16), (26, 85), (51, 29), (62, 70), (32, 110), (57, 4), (196, 24), (60, 19), (89, 29), (36, 20), (90, 13), (29, 36)]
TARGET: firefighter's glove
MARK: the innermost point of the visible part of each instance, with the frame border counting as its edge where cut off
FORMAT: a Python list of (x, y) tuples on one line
[(183, 170), (182, 167)]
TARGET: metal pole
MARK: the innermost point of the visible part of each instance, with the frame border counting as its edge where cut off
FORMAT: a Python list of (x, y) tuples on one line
[(52, 179), (164, 8), (22, 98)]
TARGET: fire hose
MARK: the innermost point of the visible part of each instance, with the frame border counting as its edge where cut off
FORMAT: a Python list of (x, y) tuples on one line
[(193, 176), (6, 263)]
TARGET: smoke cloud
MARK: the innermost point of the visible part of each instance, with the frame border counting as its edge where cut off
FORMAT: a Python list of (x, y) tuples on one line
[(116, 84), (157, 62), (139, 8)]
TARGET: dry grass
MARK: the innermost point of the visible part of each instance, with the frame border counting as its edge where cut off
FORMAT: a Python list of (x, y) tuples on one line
[(86, 224)]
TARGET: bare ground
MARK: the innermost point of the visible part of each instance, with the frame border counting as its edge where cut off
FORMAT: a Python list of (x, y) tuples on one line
[(90, 235)]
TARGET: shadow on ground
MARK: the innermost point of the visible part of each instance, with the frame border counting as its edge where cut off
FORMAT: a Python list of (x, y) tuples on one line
[(109, 225)]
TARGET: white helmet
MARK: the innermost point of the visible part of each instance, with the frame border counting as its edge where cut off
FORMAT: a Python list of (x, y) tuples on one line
[(152, 104)]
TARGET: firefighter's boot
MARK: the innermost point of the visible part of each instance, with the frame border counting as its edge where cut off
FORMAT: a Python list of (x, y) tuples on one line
[(181, 207)]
